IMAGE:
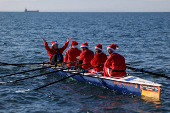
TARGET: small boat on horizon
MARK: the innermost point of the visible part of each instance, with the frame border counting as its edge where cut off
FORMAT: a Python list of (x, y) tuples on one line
[(31, 11)]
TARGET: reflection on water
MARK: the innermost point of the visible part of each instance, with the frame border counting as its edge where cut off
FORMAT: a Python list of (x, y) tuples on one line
[(100, 99), (155, 102)]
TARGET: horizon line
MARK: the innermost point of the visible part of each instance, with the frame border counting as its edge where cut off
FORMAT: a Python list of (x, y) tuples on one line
[(90, 12)]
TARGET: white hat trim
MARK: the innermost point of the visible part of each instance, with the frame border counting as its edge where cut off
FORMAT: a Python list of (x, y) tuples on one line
[(114, 51), (54, 43), (98, 48), (84, 46)]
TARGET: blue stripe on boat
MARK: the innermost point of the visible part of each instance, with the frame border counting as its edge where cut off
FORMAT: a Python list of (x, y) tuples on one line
[(131, 78)]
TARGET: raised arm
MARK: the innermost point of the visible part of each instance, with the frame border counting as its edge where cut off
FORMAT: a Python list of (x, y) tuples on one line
[(68, 39), (65, 45), (44, 40), (47, 47)]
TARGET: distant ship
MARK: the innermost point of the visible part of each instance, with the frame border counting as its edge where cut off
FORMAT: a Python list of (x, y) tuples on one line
[(31, 11)]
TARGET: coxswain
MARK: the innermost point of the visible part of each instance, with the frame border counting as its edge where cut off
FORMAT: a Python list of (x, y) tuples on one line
[(99, 59), (86, 56), (115, 64), (71, 54), (55, 52)]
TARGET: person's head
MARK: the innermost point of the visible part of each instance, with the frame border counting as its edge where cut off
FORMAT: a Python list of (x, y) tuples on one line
[(54, 45), (112, 48), (84, 46), (74, 44), (98, 48)]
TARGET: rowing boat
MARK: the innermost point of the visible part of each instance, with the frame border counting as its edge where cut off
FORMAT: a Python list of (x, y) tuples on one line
[(126, 85)]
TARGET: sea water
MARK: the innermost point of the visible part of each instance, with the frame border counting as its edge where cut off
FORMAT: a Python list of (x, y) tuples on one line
[(143, 39)]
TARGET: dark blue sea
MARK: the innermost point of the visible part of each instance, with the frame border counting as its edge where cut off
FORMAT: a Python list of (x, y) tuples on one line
[(143, 39)]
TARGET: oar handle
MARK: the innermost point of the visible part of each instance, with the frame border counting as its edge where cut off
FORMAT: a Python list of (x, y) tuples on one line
[(97, 66), (70, 62), (79, 64), (84, 64)]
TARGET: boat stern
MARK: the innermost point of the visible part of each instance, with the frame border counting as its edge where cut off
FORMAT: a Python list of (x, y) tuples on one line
[(151, 91)]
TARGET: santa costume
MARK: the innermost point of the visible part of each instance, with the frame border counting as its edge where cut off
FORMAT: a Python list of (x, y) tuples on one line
[(86, 56), (115, 64), (71, 54), (98, 59), (58, 53)]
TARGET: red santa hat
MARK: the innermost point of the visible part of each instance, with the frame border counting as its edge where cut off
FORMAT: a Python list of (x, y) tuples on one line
[(99, 47), (84, 45), (113, 47), (74, 43), (54, 42)]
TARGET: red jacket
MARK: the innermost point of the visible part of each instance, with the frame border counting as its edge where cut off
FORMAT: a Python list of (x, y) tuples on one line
[(71, 55), (51, 52), (97, 60), (86, 56), (117, 62)]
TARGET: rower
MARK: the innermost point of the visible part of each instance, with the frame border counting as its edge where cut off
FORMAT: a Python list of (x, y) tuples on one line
[(98, 59), (115, 64), (71, 54), (86, 56), (55, 52)]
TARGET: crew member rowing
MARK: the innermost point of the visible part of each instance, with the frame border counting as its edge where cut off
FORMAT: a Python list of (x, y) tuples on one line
[(98, 59), (86, 56), (115, 64), (71, 54)]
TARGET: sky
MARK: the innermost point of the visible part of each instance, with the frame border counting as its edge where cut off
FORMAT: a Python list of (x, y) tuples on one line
[(85, 5)]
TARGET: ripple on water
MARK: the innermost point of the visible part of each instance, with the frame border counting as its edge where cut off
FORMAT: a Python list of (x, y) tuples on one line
[(143, 38)]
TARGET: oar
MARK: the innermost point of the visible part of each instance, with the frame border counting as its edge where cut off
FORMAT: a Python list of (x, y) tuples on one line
[(24, 63), (39, 75), (72, 67), (86, 70), (56, 81), (141, 70), (25, 71), (69, 62), (2, 63), (31, 70)]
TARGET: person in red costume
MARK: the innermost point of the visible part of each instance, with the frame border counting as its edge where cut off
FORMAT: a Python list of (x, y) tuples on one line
[(98, 59), (86, 56), (115, 64), (71, 54), (55, 52)]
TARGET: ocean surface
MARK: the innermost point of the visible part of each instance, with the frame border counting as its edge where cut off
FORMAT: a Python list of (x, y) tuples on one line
[(143, 39)]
